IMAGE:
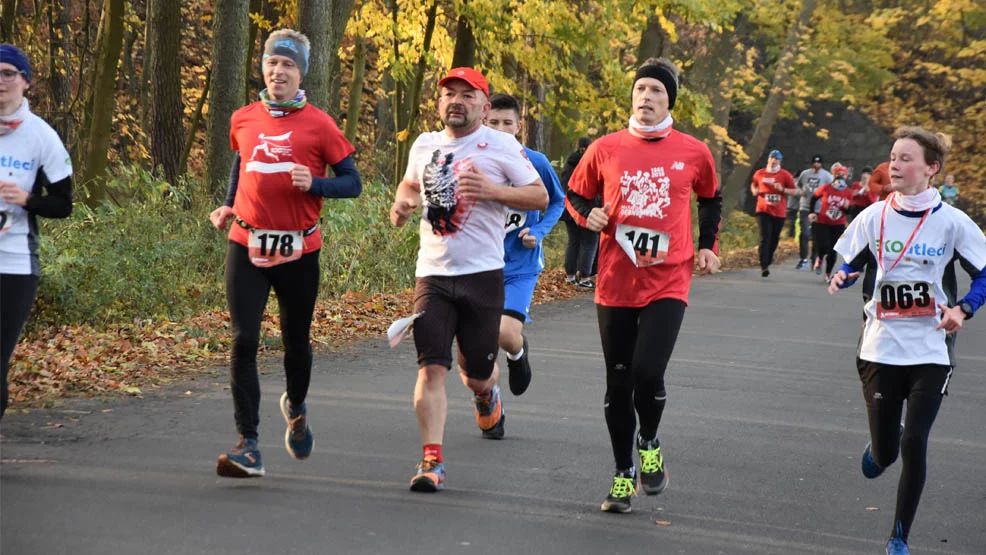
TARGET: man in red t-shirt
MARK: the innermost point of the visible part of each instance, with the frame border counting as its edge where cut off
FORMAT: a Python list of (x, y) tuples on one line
[(646, 175), (771, 186), (880, 181), (276, 187)]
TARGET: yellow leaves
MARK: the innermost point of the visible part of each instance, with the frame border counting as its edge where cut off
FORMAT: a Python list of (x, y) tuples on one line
[(260, 21), (822, 134), (402, 135)]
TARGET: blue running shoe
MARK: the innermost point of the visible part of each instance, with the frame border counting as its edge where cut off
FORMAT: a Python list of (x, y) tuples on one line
[(242, 461), (298, 438), (429, 476), (870, 468), (897, 545)]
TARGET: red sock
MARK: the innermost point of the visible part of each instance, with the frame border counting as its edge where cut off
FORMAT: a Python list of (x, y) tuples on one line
[(434, 450)]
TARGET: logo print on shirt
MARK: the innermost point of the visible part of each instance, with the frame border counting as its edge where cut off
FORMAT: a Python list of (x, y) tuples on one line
[(440, 190), (678, 166), (272, 155), (644, 195)]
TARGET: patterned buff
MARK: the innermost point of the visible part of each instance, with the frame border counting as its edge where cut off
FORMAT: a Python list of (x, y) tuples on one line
[(10, 122), (278, 109), (658, 131)]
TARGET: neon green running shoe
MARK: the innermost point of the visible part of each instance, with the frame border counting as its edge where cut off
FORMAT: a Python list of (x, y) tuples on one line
[(653, 476), (624, 487)]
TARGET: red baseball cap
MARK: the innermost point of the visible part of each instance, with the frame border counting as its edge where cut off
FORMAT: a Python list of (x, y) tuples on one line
[(469, 75)]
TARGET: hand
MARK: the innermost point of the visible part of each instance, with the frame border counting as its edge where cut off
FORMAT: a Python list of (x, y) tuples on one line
[(812, 217), (401, 211), (840, 278), (12, 194), (220, 217), (708, 262), (779, 187), (301, 177), (598, 218), (474, 185), (529, 241), (951, 319)]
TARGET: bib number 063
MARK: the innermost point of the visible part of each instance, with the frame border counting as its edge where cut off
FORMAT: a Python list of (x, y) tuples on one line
[(905, 300)]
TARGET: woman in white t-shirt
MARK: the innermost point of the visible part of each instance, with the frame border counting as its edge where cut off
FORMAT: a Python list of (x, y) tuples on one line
[(910, 238), (32, 157)]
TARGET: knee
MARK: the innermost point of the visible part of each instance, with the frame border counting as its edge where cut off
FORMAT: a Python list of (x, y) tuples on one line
[(913, 446), (432, 376)]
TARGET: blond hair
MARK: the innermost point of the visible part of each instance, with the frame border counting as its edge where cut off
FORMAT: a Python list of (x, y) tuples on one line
[(934, 145)]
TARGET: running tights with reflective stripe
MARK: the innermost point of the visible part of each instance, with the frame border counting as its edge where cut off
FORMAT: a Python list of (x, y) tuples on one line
[(886, 388), (247, 289), (16, 298), (637, 344)]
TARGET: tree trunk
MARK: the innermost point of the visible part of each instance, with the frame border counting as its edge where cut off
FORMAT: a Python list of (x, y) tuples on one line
[(314, 17), (256, 7), (193, 128), (341, 11), (535, 118), (166, 109), (652, 40), (384, 112), (356, 90), (102, 101), (465, 44), (8, 13), (230, 32), (407, 114), (737, 183), (61, 95)]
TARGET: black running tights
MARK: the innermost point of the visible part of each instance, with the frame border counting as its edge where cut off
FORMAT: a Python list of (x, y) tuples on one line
[(827, 236), (770, 236), (885, 389), (637, 344), (247, 289), (16, 298)]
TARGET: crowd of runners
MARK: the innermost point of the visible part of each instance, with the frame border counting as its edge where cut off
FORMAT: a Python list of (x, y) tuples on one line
[(487, 203)]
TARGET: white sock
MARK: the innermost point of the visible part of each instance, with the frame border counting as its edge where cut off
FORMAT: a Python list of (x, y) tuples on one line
[(517, 356)]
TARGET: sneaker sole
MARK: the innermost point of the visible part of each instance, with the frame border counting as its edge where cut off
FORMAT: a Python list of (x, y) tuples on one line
[(608, 507), (287, 433), (423, 484), (496, 432), (656, 489), (229, 469)]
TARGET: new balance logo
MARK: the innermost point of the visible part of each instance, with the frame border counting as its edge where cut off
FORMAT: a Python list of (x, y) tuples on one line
[(877, 396)]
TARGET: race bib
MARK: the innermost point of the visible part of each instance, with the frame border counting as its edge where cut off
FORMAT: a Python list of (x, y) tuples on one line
[(645, 247), (271, 248), (905, 299), (515, 220), (772, 198), (6, 218)]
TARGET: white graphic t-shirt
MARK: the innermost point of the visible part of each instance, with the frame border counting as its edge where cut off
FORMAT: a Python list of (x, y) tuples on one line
[(33, 146), (460, 237), (902, 315)]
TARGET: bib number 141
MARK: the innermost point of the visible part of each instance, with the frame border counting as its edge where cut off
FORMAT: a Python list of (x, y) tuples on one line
[(270, 248), (645, 247)]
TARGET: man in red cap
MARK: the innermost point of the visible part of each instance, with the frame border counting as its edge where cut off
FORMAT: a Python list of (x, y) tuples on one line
[(464, 177)]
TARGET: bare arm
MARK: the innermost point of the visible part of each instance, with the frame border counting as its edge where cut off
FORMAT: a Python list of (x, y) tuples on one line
[(406, 201)]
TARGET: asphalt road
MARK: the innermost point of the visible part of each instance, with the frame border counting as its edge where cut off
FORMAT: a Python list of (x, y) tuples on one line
[(762, 436)]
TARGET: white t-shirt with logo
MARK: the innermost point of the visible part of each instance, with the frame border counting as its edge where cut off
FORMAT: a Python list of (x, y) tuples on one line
[(896, 332), (33, 146), (460, 237)]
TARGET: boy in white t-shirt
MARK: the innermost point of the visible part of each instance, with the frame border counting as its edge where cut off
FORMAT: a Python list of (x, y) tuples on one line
[(911, 237), (462, 177)]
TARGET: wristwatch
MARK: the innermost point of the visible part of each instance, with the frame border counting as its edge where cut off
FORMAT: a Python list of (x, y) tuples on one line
[(966, 309)]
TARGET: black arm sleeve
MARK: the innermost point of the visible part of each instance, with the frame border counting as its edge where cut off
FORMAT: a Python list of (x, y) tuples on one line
[(57, 203), (581, 204), (346, 183), (709, 217), (234, 181)]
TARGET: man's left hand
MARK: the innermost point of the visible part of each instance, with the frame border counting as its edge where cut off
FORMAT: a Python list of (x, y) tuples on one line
[(301, 177)]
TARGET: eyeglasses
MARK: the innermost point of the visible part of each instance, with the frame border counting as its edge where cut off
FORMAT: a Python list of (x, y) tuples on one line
[(8, 75)]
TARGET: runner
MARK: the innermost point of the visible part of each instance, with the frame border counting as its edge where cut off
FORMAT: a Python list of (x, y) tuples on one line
[(903, 354), (835, 198), (771, 185), (276, 187), (861, 195), (37, 182), (880, 181), (949, 191), (523, 254), (582, 245), (463, 176), (808, 181), (646, 175)]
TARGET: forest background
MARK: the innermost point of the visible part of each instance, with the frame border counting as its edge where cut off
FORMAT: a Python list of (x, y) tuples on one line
[(141, 91)]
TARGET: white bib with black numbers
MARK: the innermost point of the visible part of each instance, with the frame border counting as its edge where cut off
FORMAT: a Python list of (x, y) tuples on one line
[(645, 247), (271, 248)]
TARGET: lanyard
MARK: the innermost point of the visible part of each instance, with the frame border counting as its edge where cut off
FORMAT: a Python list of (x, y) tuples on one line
[(883, 221)]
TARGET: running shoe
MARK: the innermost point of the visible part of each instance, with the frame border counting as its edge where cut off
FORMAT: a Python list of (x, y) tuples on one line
[(802, 264), (520, 372), (869, 466), (489, 413), (429, 476), (242, 461), (818, 267), (764, 272), (828, 278), (897, 545), (624, 487), (653, 476), (298, 438), (586, 283), (570, 279)]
